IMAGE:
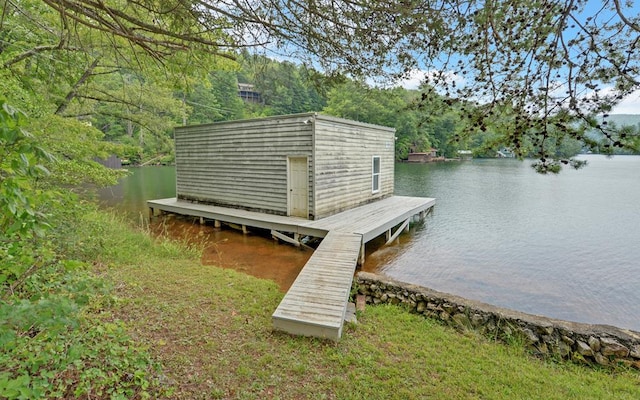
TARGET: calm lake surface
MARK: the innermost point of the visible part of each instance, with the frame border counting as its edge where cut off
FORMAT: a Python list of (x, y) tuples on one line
[(565, 246)]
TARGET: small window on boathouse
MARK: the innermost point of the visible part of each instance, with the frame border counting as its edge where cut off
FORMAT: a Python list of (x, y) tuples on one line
[(375, 175)]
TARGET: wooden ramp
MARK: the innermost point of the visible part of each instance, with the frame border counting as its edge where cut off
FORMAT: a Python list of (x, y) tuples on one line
[(316, 303)]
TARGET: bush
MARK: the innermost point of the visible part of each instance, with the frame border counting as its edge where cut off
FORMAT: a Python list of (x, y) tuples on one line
[(56, 339)]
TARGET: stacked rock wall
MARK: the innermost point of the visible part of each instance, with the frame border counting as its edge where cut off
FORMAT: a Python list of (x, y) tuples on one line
[(600, 344)]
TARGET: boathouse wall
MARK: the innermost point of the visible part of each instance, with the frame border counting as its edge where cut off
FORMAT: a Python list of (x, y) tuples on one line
[(343, 154), (246, 164), (241, 164)]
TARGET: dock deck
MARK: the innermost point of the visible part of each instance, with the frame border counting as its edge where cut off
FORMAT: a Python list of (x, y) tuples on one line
[(316, 303)]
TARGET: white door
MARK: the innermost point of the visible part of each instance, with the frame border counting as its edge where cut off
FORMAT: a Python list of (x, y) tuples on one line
[(298, 184)]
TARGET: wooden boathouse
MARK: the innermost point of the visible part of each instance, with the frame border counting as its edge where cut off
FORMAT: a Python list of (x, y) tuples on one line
[(304, 165), (297, 175)]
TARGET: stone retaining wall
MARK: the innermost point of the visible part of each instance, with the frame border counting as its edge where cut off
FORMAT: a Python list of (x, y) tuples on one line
[(584, 343)]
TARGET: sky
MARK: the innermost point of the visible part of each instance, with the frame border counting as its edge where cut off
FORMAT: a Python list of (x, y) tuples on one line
[(630, 105)]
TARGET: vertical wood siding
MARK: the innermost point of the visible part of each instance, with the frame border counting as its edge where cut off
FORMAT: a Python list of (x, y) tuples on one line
[(242, 164), (343, 152)]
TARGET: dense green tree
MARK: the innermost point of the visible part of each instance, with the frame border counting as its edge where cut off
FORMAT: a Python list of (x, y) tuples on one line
[(215, 99), (418, 126), (577, 59)]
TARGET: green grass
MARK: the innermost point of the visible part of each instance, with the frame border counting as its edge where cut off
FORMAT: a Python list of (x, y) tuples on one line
[(210, 329)]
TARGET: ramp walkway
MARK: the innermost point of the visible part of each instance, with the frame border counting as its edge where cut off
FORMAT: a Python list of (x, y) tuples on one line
[(316, 303)]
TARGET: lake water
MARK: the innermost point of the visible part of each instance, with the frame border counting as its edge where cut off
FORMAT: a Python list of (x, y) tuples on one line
[(565, 246)]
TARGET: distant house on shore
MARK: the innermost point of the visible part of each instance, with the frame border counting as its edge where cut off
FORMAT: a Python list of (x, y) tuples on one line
[(303, 165), (247, 92), (425, 157)]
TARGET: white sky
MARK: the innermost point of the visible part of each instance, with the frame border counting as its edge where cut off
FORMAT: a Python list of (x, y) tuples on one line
[(630, 105)]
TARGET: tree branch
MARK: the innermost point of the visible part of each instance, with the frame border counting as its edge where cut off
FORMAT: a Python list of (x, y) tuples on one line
[(36, 50), (74, 90)]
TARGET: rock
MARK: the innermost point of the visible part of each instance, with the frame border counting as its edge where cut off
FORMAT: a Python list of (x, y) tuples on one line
[(507, 331), (635, 351), (384, 298), (564, 349), (548, 339), (584, 349), (461, 320), (421, 307), (448, 307), (361, 301), (579, 358), (594, 343), (545, 330), (542, 348), (628, 363), (530, 336), (477, 320), (611, 347), (350, 314), (600, 359), (566, 339)]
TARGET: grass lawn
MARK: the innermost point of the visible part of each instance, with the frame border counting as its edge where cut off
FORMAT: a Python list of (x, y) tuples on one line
[(210, 328)]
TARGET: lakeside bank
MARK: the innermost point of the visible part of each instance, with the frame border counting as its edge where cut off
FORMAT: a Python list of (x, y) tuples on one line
[(603, 345)]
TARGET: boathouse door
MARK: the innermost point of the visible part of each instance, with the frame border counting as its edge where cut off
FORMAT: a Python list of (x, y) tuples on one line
[(298, 186)]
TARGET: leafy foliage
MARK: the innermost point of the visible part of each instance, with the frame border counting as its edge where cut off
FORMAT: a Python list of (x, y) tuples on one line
[(542, 82), (56, 341), (20, 167)]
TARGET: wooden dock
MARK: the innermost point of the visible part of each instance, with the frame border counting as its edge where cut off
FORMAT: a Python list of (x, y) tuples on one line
[(316, 303)]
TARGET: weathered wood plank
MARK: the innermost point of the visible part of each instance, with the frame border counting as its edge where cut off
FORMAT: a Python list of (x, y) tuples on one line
[(319, 295)]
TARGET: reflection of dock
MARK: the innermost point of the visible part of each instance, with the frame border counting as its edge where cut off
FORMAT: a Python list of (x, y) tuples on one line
[(317, 301)]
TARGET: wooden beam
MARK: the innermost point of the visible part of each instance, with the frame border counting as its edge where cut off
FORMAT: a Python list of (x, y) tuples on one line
[(284, 238), (404, 225), (295, 241)]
